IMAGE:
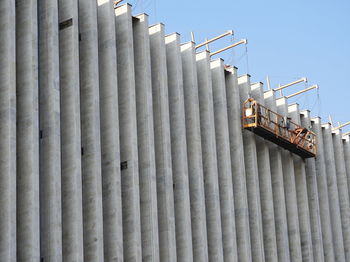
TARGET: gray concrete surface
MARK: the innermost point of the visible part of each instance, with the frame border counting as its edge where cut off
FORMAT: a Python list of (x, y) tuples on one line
[(210, 166), (128, 136), (228, 225), (333, 193), (122, 144), (290, 193), (165, 182), (279, 201), (109, 130), (325, 209), (8, 131), (237, 165), (71, 183), (145, 134), (27, 132), (90, 132), (194, 153), (343, 190), (313, 197), (302, 194), (346, 145), (50, 135), (265, 184), (179, 149), (252, 176)]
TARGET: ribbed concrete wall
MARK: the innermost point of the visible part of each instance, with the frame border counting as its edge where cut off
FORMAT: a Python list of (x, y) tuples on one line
[(224, 161), (252, 178), (27, 131), (119, 143), (265, 185), (329, 247), (194, 153), (238, 169), (302, 198), (71, 177), (8, 131), (289, 178), (313, 198), (145, 134), (342, 189), (333, 193), (277, 180), (128, 135), (346, 144), (210, 166)]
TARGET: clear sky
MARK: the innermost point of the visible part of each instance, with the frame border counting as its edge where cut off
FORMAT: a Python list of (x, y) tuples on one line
[(286, 40)]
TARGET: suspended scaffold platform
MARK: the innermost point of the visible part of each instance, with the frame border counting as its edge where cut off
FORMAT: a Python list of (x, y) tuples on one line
[(278, 129)]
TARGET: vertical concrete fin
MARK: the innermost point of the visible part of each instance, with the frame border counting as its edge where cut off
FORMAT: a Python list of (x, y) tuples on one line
[(165, 184), (50, 135), (109, 129), (279, 201), (179, 149), (27, 132), (72, 209), (210, 167), (194, 153), (342, 189), (145, 135), (223, 153), (333, 193), (128, 135), (238, 167), (321, 176), (266, 195), (252, 176), (8, 131), (290, 193), (313, 198), (346, 145), (90, 132), (302, 195)]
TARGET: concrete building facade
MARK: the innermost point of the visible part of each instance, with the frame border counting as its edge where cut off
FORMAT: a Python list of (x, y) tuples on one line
[(121, 143)]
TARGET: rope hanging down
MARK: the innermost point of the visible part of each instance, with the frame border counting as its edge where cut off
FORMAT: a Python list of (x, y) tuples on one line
[(247, 59)]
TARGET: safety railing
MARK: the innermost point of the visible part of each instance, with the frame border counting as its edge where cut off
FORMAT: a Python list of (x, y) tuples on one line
[(256, 115)]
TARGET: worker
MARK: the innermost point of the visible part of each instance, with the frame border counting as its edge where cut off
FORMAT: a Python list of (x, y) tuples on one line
[(287, 122)]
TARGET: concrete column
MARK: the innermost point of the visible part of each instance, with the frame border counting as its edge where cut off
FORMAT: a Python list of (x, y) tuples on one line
[(227, 211), (322, 187), (346, 145), (179, 149), (342, 189), (252, 176), (72, 209), (210, 167), (290, 193), (194, 153), (90, 132), (302, 197), (279, 201), (50, 135), (333, 196), (265, 184), (313, 198), (8, 131), (165, 184), (145, 135), (27, 146), (237, 165), (109, 129), (128, 135)]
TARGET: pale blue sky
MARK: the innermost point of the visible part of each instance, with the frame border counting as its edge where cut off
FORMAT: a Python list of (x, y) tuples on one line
[(287, 40)]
